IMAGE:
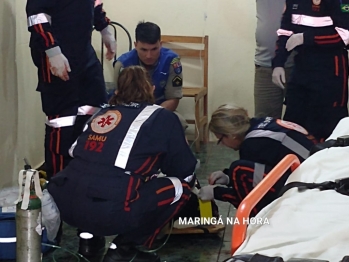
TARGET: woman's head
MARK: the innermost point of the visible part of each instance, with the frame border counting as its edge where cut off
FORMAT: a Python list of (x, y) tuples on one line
[(230, 124), (133, 86)]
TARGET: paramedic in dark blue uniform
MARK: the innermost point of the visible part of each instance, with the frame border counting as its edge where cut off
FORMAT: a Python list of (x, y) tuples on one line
[(262, 144), (163, 65), (70, 77), (110, 187), (317, 93)]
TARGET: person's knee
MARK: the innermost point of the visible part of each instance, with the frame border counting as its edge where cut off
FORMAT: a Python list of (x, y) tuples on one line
[(181, 188), (241, 164)]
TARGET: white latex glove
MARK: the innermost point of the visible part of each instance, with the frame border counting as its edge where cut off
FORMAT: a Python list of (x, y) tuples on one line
[(294, 40), (278, 77), (219, 178), (206, 193), (109, 42), (59, 64)]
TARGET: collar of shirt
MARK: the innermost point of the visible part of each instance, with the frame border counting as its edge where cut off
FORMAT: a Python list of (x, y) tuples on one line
[(149, 69)]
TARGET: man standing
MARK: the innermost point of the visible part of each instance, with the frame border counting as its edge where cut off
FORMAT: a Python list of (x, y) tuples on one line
[(163, 65), (317, 94), (70, 76), (268, 97)]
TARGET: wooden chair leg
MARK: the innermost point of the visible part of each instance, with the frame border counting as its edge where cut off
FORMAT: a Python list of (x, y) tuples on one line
[(205, 132), (197, 137), (205, 127), (197, 126)]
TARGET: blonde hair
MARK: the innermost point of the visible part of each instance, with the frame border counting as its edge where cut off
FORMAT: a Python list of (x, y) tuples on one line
[(229, 120), (134, 85)]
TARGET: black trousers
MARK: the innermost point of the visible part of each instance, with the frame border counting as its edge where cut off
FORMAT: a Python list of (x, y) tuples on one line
[(244, 176), (317, 94), (120, 205), (63, 99)]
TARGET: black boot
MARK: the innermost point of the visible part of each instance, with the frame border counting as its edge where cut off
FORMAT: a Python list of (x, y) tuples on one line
[(90, 247), (122, 251)]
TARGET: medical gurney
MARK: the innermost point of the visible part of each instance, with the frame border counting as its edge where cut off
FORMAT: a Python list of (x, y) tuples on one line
[(309, 225)]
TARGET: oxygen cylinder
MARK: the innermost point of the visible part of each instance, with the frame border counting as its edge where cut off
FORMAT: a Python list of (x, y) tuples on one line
[(28, 217)]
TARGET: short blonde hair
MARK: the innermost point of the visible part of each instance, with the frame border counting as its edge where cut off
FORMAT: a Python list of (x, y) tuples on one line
[(229, 120)]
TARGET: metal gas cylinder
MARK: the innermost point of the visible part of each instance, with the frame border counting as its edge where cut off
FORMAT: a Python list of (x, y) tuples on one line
[(28, 218)]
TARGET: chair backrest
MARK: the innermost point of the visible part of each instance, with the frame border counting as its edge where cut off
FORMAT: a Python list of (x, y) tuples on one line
[(191, 47)]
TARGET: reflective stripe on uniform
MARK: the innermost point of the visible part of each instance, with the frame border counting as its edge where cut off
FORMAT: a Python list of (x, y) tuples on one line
[(98, 2), (283, 138), (258, 173), (311, 20), (344, 34), (188, 179), (38, 19), (131, 135), (87, 110), (61, 121), (70, 120), (71, 149), (8, 239), (178, 188), (284, 32)]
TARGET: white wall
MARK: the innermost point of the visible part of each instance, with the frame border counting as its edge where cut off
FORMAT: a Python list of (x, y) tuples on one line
[(21, 129), (229, 24)]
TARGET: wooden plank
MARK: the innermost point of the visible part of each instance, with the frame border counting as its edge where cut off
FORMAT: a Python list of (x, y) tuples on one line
[(212, 229), (193, 91), (189, 52), (183, 39)]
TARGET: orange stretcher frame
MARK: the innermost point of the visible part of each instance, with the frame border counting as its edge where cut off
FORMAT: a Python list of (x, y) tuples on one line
[(250, 201)]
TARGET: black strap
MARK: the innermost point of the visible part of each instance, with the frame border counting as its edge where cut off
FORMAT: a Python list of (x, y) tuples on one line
[(340, 185), (261, 258), (345, 259), (343, 186)]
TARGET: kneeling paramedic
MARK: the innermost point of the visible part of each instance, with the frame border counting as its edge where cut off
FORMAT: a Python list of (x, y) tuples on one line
[(110, 187), (262, 143)]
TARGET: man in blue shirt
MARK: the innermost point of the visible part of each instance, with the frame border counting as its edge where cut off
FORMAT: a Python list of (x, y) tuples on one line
[(163, 65)]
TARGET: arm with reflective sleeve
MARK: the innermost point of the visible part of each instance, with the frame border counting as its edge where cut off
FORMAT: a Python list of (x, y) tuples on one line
[(327, 35), (284, 33), (101, 21), (39, 24)]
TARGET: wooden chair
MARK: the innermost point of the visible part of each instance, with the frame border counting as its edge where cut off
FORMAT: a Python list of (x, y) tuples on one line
[(183, 46)]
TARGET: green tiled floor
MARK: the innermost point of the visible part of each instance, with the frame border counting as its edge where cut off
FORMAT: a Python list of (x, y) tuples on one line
[(179, 248)]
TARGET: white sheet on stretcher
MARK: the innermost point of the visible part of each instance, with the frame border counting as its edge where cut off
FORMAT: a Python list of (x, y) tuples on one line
[(311, 224)]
